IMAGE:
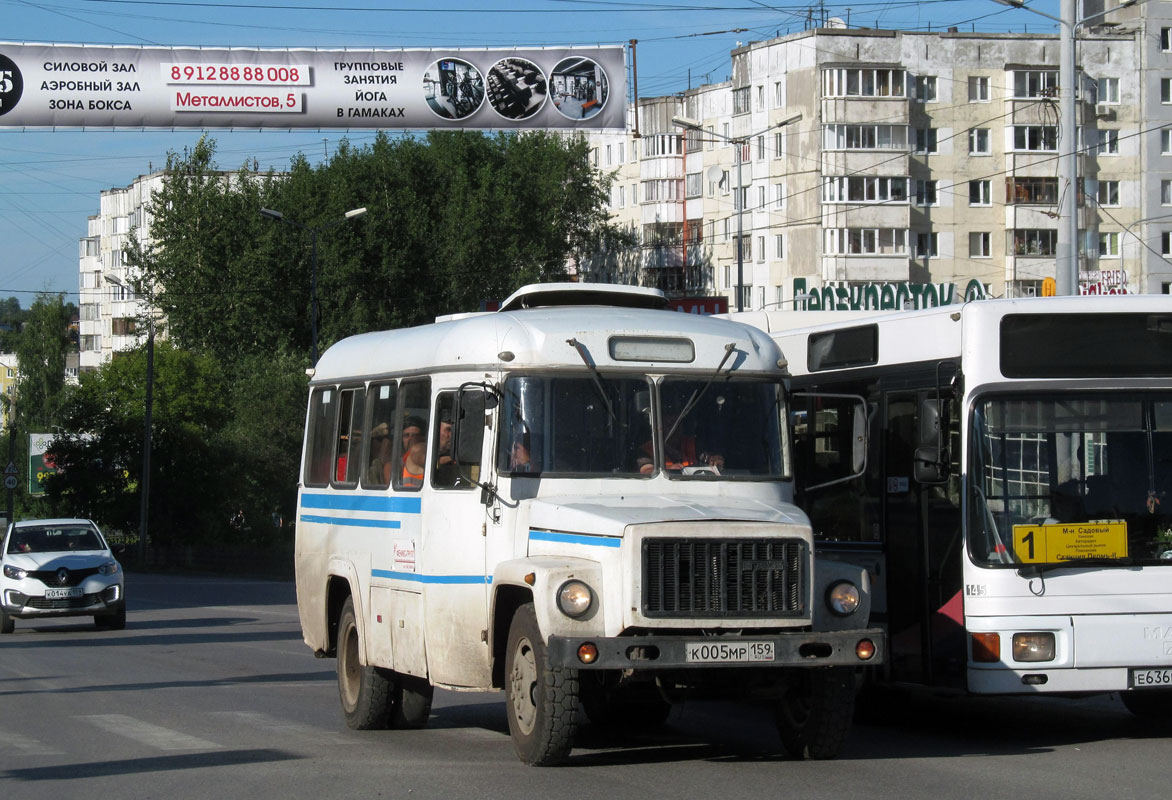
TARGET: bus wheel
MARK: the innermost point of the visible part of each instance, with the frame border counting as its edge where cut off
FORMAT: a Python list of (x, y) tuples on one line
[(411, 704), (1153, 704), (365, 691), (814, 714), (542, 700)]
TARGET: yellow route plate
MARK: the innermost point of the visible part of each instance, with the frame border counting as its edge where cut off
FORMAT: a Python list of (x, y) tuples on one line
[(1048, 544)]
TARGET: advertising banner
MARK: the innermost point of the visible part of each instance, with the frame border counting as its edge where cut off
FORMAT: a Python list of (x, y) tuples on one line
[(38, 466), (75, 86)]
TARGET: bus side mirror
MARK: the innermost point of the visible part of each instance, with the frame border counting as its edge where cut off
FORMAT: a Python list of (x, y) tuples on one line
[(468, 425), (928, 467)]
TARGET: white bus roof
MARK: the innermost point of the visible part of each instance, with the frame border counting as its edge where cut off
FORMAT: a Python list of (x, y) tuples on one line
[(538, 338)]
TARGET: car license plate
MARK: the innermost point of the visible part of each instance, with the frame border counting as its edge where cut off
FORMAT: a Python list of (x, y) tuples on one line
[(728, 652), (1151, 678), (57, 594)]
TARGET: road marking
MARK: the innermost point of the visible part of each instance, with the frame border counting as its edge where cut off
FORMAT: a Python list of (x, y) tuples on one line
[(27, 746), (148, 734), (267, 722)]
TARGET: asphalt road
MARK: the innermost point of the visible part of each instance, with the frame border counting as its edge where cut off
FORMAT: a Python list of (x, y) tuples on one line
[(210, 692)]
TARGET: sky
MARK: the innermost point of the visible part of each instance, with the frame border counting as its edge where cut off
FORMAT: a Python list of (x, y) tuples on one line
[(50, 180)]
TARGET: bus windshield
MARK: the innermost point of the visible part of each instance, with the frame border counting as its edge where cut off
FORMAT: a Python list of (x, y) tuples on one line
[(1043, 460), (584, 425)]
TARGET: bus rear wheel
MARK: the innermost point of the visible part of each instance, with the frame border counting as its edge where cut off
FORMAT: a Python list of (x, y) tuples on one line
[(814, 715), (542, 700), (410, 701), (365, 692), (1154, 704)]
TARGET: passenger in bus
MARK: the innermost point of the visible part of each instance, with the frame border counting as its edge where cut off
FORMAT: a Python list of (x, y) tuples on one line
[(413, 431), (679, 452), (443, 448), (413, 461), (520, 459), (378, 472)]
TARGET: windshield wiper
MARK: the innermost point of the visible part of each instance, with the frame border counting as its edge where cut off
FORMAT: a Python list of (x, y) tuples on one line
[(581, 348), (729, 349), (1031, 570)]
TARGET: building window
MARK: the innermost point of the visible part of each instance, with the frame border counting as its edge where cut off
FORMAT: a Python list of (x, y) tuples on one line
[(741, 100), (978, 89), (761, 251), (927, 245), (866, 241), (850, 82), (1109, 90), (778, 144), (779, 248), (926, 88), (864, 189), (864, 137), (979, 141), (926, 193), (1108, 193), (1031, 83), (1166, 90), (779, 94), (1166, 40), (779, 195), (1108, 142), (925, 140), (760, 148), (608, 156), (760, 98), (1166, 243), (728, 284), (979, 244), (761, 197), (1035, 242), (1166, 193), (1031, 191), (1108, 245), (695, 185), (1166, 142), (1038, 138), (980, 193)]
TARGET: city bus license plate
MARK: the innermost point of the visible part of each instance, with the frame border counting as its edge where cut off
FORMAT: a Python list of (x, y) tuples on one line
[(58, 594), (728, 652), (1153, 678)]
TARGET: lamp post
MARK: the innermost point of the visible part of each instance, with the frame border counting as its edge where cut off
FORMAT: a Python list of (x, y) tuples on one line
[(1066, 269), (738, 142), (144, 484), (313, 230)]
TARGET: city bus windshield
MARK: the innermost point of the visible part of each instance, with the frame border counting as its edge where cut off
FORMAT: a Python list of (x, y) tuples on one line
[(573, 425), (1041, 465)]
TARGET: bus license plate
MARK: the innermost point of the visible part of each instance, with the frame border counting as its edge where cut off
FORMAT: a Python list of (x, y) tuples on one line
[(58, 594), (728, 652), (1154, 678)]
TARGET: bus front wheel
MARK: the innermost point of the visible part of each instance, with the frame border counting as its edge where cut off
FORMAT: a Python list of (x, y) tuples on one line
[(365, 692), (814, 714), (542, 700)]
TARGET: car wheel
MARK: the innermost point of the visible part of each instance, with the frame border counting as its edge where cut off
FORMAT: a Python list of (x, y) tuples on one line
[(7, 623)]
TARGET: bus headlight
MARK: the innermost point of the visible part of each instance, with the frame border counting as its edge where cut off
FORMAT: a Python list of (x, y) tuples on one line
[(843, 598), (575, 598), (1033, 646)]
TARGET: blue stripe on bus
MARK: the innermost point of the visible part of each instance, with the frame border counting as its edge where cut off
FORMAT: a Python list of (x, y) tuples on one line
[(361, 502), (352, 521), (575, 538), (416, 577)]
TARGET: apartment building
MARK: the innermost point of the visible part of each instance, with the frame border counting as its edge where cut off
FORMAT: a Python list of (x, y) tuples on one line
[(901, 168), (109, 308)]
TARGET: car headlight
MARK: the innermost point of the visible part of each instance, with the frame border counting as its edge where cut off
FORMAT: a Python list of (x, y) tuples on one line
[(843, 598), (109, 568), (575, 598), (16, 573)]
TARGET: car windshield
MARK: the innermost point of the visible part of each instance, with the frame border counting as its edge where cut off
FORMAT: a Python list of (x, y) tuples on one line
[(1041, 465), (576, 425), (63, 539)]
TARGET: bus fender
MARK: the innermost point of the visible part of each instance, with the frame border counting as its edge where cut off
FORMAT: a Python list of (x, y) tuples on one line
[(332, 607), (541, 578)]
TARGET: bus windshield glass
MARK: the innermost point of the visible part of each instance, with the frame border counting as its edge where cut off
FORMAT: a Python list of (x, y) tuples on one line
[(1056, 478), (585, 425)]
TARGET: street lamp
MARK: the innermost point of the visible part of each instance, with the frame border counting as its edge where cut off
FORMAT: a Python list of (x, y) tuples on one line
[(1066, 271), (144, 485), (738, 142), (314, 230)]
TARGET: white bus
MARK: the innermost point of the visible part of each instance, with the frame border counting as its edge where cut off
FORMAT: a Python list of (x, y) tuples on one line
[(1016, 510), (575, 498)]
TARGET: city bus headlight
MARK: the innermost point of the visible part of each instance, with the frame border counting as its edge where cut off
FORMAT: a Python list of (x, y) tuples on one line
[(1033, 646), (843, 598), (575, 598)]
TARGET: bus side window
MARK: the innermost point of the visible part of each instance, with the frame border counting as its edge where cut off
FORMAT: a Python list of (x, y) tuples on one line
[(348, 453), (410, 462), (320, 437), (377, 458), (445, 471)]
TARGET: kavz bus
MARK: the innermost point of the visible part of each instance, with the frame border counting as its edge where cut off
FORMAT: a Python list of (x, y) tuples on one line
[(579, 498), (1015, 513)]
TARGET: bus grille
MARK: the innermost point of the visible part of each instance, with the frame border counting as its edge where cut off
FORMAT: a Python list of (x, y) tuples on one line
[(723, 577)]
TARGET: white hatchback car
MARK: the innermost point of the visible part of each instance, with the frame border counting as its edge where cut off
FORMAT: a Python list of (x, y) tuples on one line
[(59, 568)]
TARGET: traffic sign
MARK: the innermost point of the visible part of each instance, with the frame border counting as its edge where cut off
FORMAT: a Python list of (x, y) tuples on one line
[(10, 469), (9, 481)]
